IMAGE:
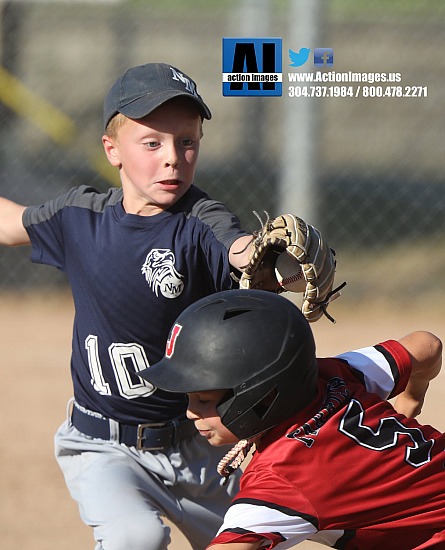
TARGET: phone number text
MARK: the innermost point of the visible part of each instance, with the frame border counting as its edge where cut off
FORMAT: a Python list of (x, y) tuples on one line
[(358, 91)]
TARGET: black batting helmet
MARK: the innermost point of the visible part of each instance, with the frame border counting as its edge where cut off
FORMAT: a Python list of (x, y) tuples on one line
[(255, 344)]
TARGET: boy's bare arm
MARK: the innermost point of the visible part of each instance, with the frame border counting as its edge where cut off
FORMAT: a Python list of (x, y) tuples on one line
[(425, 350), (239, 252), (12, 231)]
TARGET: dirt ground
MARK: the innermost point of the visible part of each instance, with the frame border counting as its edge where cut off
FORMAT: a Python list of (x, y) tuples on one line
[(36, 511)]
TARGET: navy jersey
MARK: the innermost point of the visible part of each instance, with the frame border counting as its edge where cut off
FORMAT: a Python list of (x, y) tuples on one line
[(130, 276)]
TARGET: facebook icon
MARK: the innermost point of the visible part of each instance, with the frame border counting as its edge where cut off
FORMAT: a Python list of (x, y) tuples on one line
[(323, 57)]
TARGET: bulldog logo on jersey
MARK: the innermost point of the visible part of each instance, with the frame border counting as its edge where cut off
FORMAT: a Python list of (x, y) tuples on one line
[(160, 273)]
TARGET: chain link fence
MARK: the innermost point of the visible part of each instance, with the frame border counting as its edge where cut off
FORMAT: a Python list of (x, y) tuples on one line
[(375, 185)]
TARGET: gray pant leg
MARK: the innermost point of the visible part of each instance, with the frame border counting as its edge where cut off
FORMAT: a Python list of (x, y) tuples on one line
[(116, 495), (123, 493), (199, 490)]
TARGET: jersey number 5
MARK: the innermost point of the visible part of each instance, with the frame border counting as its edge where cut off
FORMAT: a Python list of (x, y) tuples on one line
[(390, 430)]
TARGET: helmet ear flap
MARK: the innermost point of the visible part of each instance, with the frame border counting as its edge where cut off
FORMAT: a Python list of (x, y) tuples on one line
[(263, 407), (255, 406), (225, 402), (243, 412)]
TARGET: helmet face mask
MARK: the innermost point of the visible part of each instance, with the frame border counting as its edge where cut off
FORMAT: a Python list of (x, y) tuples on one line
[(255, 344)]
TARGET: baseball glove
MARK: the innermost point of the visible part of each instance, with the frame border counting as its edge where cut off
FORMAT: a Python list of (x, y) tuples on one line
[(308, 247)]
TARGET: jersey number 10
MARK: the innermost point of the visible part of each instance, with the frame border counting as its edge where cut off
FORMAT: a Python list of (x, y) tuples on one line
[(120, 356)]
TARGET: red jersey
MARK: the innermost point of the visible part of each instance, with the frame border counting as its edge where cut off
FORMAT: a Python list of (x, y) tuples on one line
[(348, 470)]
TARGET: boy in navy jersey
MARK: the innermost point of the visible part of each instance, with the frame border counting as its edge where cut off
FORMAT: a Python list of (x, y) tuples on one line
[(135, 257), (334, 461)]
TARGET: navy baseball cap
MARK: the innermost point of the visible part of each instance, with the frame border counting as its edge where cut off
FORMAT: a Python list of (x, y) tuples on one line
[(144, 88)]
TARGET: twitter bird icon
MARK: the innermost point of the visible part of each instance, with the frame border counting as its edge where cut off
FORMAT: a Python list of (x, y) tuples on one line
[(299, 58)]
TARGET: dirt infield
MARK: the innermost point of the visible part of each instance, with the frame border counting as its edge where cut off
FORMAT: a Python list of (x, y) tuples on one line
[(36, 511)]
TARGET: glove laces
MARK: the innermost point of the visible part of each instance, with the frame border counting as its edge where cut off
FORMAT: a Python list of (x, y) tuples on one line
[(334, 294), (234, 458)]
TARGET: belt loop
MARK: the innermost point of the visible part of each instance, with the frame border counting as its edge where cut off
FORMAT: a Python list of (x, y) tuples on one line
[(175, 423), (114, 429), (69, 409)]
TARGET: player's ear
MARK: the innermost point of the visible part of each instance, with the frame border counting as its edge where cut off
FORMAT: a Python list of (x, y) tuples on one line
[(111, 150)]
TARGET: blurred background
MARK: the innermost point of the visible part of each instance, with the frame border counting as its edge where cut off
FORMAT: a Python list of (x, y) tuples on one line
[(369, 172)]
